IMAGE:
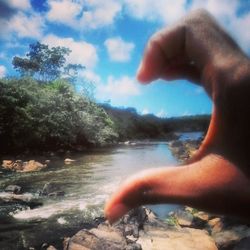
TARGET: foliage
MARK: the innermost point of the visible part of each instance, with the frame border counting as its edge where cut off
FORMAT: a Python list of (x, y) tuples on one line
[(49, 116), (171, 220), (46, 64), (130, 125)]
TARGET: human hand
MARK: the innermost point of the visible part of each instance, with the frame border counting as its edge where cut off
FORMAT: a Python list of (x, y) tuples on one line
[(217, 178)]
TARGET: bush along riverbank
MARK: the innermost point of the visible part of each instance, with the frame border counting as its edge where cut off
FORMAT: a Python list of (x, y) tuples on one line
[(184, 229)]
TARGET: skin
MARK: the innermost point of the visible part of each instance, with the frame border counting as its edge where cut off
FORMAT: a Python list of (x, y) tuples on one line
[(217, 177)]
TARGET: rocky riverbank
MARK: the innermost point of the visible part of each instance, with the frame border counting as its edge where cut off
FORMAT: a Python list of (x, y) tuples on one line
[(185, 229)]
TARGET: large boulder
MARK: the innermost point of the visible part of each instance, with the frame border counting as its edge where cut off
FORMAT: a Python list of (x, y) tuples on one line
[(175, 239), (140, 229), (102, 238)]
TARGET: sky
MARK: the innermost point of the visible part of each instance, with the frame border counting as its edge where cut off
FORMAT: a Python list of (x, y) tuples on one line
[(108, 38)]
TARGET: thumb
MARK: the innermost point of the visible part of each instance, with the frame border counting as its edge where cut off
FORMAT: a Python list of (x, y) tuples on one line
[(209, 184)]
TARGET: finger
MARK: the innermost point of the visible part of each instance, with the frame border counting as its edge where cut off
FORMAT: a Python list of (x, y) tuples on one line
[(187, 72), (161, 49), (210, 184)]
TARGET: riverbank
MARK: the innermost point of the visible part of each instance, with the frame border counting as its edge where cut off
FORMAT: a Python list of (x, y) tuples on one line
[(67, 198), (183, 229)]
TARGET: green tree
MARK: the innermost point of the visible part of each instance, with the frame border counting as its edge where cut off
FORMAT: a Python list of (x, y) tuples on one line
[(46, 64)]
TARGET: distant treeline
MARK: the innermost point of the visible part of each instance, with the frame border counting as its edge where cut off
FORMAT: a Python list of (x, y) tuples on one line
[(131, 125)]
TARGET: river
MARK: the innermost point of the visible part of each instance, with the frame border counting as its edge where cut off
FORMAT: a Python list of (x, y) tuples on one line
[(87, 183)]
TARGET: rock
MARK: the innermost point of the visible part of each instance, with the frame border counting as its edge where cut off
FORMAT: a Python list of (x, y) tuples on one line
[(134, 246), (21, 166), (68, 161), (47, 162), (175, 239), (9, 197), (7, 164), (51, 248), (183, 150), (202, 215), (216, 225), (227, 238), (152, 234), (14, 189), (51, 190), (56, 194), (47, 188), (184, 218), (26, 200), (102, 238), (244, 244), (32, 165), (18, 165)]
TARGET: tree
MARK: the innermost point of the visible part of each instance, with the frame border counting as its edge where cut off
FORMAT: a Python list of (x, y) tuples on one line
[(45, 64), (71, 72)]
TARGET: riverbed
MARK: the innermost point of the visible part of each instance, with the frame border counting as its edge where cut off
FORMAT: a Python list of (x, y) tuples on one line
[(86, 183)]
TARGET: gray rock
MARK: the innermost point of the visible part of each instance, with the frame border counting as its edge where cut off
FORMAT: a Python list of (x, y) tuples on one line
[(175, 239), (152, 234), (184, 218), (244, 244), (134, 246), (227, 238), (14, 189), (101, 238)]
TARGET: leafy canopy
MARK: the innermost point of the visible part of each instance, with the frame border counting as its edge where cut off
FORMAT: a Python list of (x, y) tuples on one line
[(46, 64)]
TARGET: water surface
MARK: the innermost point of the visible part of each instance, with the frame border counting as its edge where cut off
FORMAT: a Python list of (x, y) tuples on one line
[(87, 183)]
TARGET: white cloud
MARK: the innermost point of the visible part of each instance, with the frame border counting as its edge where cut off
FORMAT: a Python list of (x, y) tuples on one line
[(82, 52), (238, 30), (2, 71), (119, 50), (145, 111), (79, 14), (24, 25), (100, 13), (90, 76), (220, 9), (122, 87), (20, 4), (168, 11), (161, 113), (64, 11), (227, 15), (165, 11)]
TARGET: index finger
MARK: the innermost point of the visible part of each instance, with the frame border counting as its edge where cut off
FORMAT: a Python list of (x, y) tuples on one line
[(161, 49)]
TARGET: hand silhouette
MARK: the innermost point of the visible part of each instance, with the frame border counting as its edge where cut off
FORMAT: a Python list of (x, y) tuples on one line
[(217, 177)]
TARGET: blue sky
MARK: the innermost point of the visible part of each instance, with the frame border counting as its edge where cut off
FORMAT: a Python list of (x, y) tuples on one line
[(109, 38)]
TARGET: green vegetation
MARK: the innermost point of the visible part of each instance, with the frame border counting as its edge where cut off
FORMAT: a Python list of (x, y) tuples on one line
[(46, 64), (130, 125), (171, 220), (42, 110), (49, 116)]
